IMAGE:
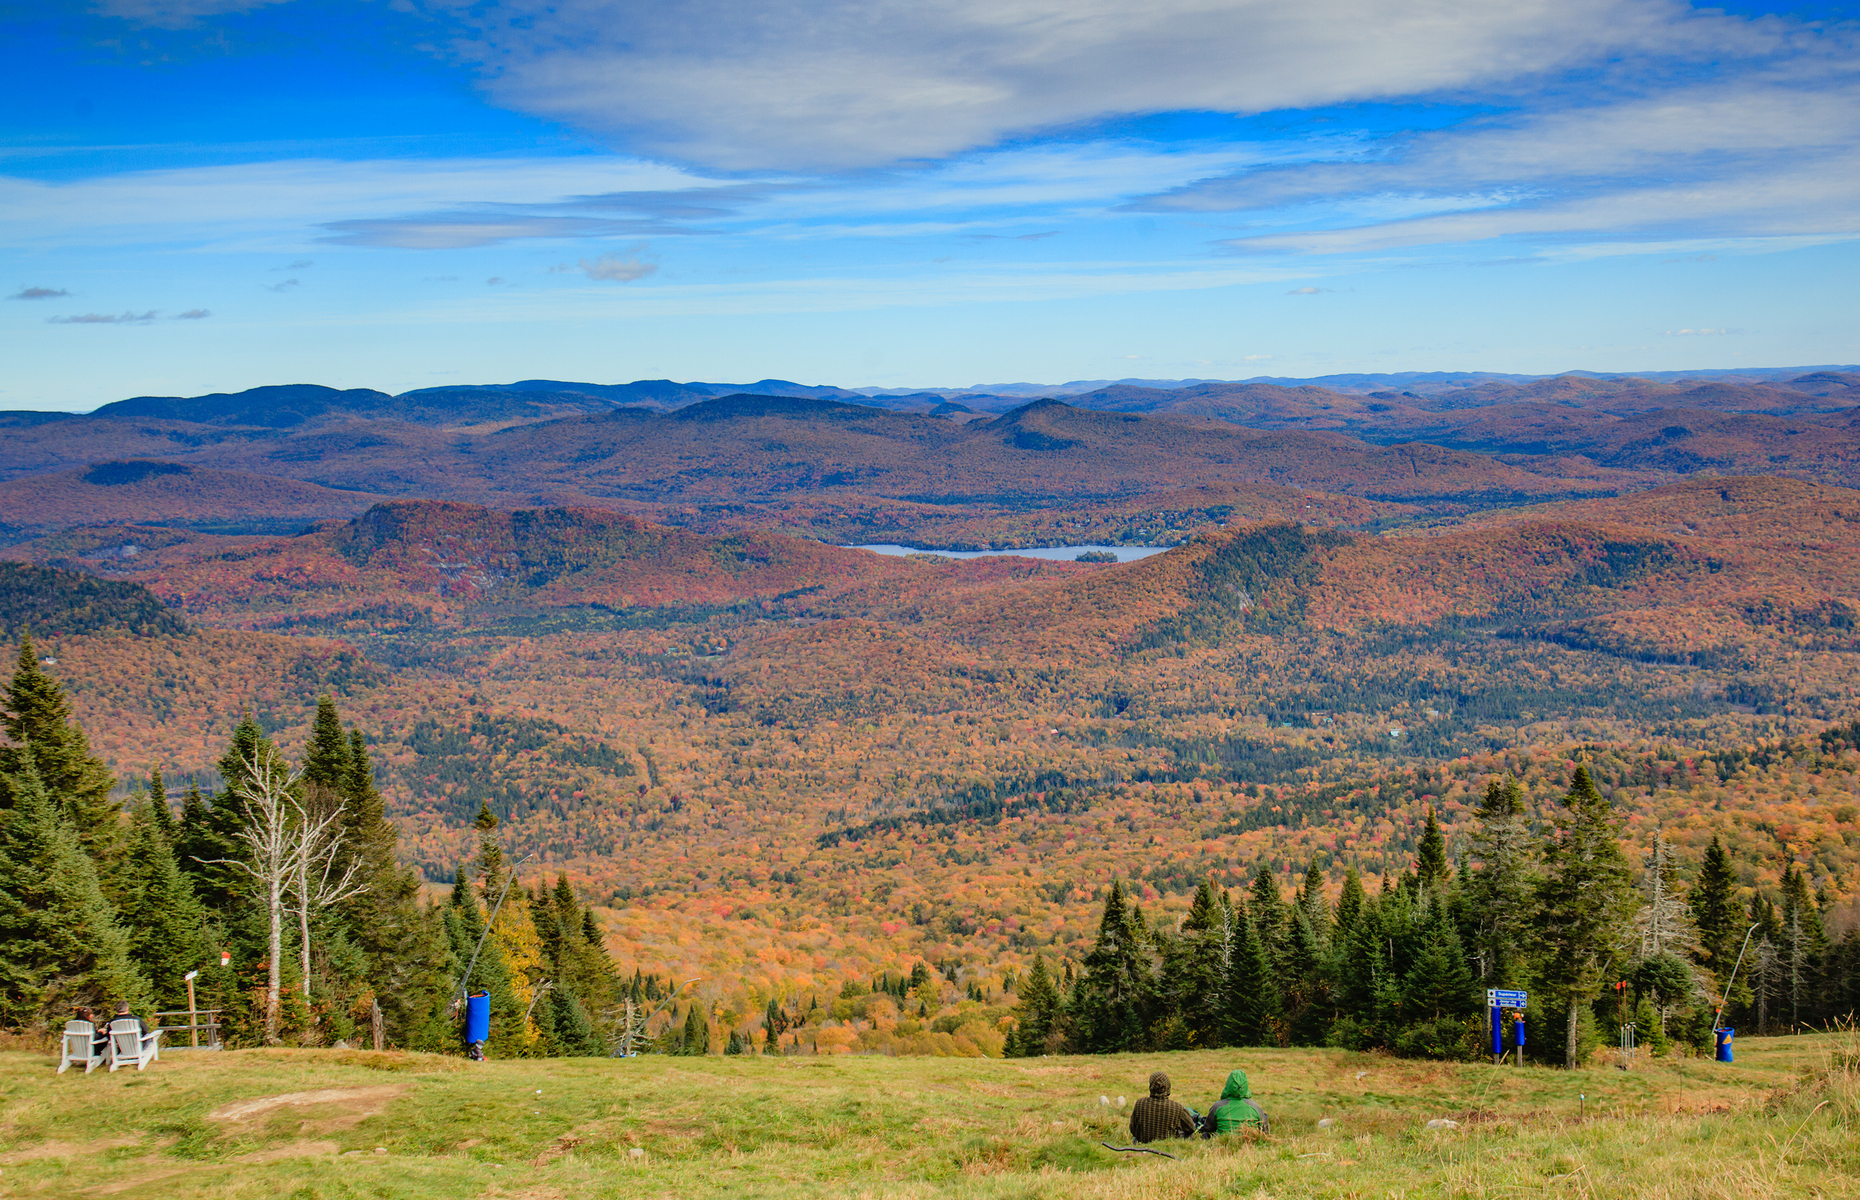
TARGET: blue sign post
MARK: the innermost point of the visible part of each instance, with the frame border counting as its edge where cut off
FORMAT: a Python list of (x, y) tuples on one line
[(1497, 1000)]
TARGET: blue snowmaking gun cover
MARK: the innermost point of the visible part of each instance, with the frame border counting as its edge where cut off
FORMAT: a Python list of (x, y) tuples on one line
[(478, 1017), (1724, 1045)]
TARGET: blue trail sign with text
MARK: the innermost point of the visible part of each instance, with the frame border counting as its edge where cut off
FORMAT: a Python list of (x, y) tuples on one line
[(1500, 998)]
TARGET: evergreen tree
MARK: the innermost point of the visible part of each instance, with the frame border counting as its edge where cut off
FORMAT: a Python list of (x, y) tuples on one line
[(248, 749), (1194, 967), (1586, 901), (1350, 903), (1715, 906), (326, 758), (1803, 947), (159, 811), (1500, 896), (697, 1032), (39, 724), (208, 836), (60, 944), (1266, 909), (1037, 1019), (1431, 866), (1251, 995), (161, 915), (1110, 1001)]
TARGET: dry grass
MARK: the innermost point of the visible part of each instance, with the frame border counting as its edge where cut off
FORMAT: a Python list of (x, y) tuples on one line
[(316, 1124)]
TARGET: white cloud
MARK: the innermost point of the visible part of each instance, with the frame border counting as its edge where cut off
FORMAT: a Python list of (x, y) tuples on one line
[(618, 267), (807, 84)]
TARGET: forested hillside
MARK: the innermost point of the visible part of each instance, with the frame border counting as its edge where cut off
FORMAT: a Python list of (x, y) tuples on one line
[(794, 771)]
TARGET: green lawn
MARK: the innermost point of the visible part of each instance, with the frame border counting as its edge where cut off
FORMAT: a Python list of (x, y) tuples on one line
[(318, 1125)]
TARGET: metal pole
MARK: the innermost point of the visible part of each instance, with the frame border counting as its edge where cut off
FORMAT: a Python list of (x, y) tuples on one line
[(1717, 1020), (465, 980)]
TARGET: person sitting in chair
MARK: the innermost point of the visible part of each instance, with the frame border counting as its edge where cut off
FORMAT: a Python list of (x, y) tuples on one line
[(123, 1014), (1156, 1116)]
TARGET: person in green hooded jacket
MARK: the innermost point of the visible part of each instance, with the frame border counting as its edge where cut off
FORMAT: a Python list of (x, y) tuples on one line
[(1235, 1109)]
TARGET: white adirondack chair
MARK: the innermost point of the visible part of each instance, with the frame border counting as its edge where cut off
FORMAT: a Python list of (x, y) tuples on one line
[(128, 1044), (81, 1046)]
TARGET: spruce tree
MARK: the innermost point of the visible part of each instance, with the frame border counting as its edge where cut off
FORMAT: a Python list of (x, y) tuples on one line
[(1037, 1019), (1350, 903), (1250, 997), (1803, 948), (1266, 908), (160, 913), (1587, 901), (696, 1041), (39, 724), (326, 758), (207, 837), (60, 943), (1500, 896), (1431, 866), (1714, 906), (1109, 1003), (1194, 967)]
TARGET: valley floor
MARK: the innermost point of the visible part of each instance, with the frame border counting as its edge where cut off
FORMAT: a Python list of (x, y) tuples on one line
[(317, 1125)]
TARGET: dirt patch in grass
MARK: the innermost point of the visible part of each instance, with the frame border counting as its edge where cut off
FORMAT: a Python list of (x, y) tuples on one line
[(65, 1150), (352, 1105), (300, 1149)]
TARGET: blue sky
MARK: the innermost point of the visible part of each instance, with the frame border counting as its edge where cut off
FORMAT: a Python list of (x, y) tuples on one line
[(201, 195)]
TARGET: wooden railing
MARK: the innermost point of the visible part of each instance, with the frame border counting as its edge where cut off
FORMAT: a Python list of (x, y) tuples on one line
[(197, 1022)]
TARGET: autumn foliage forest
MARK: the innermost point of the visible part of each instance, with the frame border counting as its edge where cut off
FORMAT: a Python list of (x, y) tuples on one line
[(854, 796)]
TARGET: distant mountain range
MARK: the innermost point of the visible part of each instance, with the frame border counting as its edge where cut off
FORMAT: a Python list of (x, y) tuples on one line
[(1127, 462)]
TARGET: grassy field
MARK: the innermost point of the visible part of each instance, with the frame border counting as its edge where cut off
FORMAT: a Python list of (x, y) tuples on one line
[(322, 1125)]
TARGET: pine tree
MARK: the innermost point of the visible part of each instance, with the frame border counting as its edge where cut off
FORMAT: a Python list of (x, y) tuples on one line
[(1350, 903), (326, 758), (159, 811), (1431, 866), (1803, 947), (697, 1032), (1500, 897), (39, 724), (1586, 902), (1270, 915), (207, 838), (1110, 1001), (1664, 923), (160, 913), (1195, 965), (1251, 996), (1714, 903), (1038, 1017), (60, 943)]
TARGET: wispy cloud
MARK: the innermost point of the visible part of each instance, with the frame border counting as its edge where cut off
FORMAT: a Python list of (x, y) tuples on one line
[(284, 285), (807, 84), (1308, 291), (128, 318), (38, 293), (459, 231), (1699, 332), (302, 264)]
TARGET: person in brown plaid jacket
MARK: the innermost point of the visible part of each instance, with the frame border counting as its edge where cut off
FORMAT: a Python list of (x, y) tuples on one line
[(1156, 1116)]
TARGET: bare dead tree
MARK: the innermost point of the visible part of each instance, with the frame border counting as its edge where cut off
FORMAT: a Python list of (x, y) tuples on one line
[(270, 833), (1664, 924), (316, 884)]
